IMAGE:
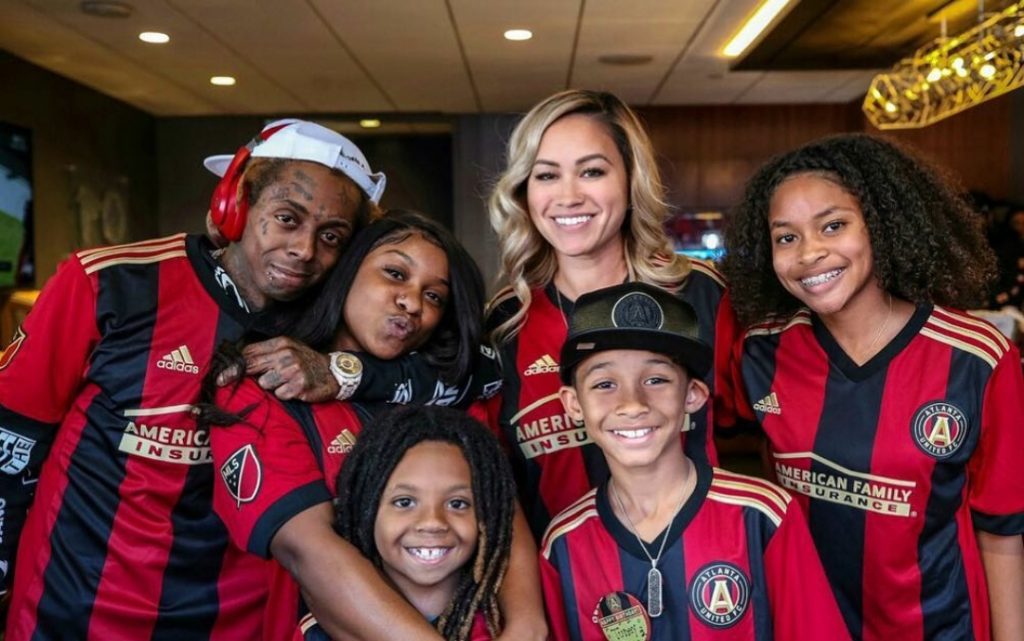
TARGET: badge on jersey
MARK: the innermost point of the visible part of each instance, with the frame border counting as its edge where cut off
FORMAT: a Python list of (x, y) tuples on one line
[(622, 617), (8, 354), (939, 429), (242, 474), (720, 594)]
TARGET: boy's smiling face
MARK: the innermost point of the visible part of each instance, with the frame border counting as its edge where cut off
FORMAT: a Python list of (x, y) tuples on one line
[(634, 404)]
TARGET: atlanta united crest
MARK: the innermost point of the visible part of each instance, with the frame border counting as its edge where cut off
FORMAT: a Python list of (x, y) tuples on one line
[(720, 594), (939, 429)]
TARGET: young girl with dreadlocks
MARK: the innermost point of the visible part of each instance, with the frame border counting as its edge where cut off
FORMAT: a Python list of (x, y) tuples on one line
[(427, 496), (894, 416), (406, 284)]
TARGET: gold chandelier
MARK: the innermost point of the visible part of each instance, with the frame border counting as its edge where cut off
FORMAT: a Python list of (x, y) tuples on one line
[(949, 75)]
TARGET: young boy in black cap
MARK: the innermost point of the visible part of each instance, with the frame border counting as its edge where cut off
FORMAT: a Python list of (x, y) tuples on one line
[(668, 548)]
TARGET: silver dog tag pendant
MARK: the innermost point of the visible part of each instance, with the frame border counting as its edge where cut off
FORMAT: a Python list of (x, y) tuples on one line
[(654, 605)]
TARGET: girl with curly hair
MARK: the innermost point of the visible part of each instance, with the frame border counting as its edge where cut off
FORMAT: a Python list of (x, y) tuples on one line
[(894, 416), (427, 496), (580, 206)]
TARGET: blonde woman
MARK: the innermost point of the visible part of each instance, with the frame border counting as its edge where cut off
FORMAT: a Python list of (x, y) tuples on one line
[(579, 207)]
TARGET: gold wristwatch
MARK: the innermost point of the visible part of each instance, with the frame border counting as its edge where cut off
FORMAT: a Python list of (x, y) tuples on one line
[(348, 371)]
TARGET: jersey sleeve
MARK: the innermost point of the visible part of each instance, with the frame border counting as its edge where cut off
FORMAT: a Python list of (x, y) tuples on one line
[(411, 379), (996, 470), (803, 607), (41, 372), (267, 471), (554, 604)]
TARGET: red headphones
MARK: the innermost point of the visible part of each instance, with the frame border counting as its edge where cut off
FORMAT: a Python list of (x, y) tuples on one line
[(229, 206)]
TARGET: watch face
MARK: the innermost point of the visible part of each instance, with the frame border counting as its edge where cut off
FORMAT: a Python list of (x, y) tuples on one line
[(348, 364)]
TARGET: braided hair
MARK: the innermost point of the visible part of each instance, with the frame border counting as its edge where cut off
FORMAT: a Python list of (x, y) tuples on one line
[(928, 244), (362, 480)]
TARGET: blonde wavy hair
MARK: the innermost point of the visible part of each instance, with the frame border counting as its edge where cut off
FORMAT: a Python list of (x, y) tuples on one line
[(527, 261)]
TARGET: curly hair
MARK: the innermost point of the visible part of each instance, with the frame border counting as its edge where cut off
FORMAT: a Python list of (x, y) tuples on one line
[(361, 483), (527, 260), (928, 244)]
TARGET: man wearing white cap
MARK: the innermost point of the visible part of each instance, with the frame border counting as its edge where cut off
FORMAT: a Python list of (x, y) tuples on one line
[(96, 395)]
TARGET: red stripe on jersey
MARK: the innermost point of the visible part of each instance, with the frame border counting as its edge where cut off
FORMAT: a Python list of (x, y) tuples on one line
[(891, 539), (129, 584), (33, 559), (799, 401)]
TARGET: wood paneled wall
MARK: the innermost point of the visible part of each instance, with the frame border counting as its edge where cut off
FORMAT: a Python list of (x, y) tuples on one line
[(707, 153)]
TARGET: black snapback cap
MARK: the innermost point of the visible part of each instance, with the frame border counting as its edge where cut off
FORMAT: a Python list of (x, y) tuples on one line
[(634, 316)]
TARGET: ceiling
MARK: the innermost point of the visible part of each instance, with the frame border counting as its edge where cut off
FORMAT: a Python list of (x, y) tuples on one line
[(410, 56)]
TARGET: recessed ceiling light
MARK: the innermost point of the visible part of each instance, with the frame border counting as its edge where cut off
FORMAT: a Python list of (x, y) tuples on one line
[(222, 81), (154, 37), (369, 123), (518, 34), (753, 27)]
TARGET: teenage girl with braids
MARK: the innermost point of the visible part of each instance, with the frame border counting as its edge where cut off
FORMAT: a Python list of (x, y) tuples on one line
[(895, 417), (406, 285), (427, 496)]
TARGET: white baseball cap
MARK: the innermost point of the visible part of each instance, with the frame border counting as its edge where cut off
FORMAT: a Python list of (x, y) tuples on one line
[(304, 140)]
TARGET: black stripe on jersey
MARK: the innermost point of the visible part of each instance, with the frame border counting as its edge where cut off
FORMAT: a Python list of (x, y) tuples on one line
[(298, 500), (560, 557), (675, 595), (759, 533), (303, 415), (189, 592), (838, 439), (125, 313), (945, 603), (194, 560)]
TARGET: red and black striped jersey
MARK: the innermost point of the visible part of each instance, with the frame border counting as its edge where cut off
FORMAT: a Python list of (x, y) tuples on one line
[(738, 565), (281, 460), (121, 542), (896, 462), (554, 460)]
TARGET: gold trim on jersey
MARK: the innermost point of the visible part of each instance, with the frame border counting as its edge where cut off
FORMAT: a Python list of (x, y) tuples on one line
[(746, 501), (534, 405), (802, 317), (87, 256), (140, 253), (569, 519), (993, 345), (708, 268), (771, 493), (135, 260), (785, 456)]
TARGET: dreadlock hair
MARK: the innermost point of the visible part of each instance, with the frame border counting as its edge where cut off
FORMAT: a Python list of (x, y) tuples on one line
[(928, 244), (380, 447)]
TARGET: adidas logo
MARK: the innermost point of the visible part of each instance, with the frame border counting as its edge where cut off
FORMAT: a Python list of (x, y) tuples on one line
[(180, 360), (342, 443), (543, 365), (769, 404)]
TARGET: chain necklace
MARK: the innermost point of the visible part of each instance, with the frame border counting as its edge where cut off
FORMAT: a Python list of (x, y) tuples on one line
[(881, 329), (655, 605), (561, 310)]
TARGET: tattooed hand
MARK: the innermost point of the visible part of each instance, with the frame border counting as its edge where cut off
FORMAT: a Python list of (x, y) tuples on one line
[(291, 370)]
